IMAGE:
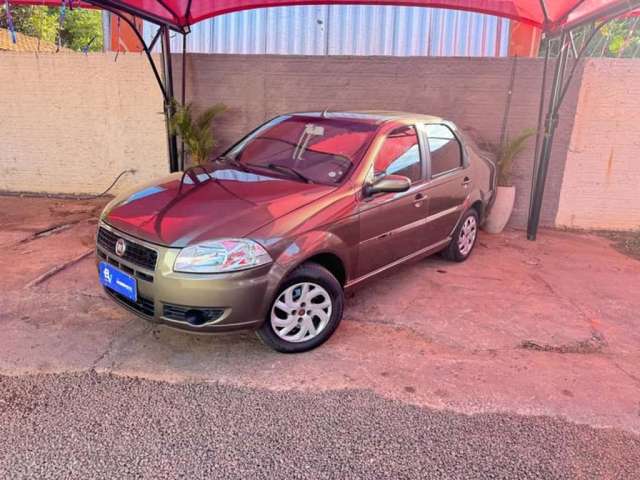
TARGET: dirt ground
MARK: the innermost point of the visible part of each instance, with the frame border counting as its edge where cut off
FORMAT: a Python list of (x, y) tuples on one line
[(536, 328), (625, 242)]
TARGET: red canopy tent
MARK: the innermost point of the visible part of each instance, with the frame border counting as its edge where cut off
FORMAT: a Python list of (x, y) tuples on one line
[(553, 17), (548, 15)]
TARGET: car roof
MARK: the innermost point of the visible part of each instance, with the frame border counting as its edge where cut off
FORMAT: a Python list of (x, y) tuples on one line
[(372, 116)]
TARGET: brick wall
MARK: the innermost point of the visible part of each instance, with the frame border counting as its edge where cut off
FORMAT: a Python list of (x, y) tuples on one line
[(470, 91), (71, 122), (601, 185)]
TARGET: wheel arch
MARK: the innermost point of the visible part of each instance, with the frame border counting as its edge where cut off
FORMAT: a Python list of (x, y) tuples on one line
[(478, 206), (332, 262), (323, 248)]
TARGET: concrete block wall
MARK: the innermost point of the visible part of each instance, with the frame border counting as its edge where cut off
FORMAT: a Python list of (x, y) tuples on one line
[(71, 122), (601, 183), (470, 91)]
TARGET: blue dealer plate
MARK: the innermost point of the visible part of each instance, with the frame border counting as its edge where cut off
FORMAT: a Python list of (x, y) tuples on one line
[(118, 281)]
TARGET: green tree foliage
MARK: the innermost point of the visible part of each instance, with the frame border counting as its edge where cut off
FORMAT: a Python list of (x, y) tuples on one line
[(34, 21), (618, 38), (622, 38), (80, 27)]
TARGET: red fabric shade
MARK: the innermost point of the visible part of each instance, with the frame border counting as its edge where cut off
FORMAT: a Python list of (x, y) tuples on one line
[(549, 15)]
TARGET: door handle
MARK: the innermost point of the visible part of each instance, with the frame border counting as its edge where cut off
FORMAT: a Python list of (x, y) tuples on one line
[(419, 196), (466, 181), (417, 200)]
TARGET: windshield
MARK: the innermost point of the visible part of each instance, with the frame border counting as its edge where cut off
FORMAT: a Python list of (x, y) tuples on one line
[(305, 148)]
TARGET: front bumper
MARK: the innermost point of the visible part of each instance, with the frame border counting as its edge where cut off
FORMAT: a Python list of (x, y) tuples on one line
[(202, 303)]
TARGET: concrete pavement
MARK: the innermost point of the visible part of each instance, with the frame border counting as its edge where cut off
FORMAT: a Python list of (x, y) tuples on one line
[(526, 329)]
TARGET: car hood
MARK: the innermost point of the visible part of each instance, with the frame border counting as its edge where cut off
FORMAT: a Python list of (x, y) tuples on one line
[(230, 204)]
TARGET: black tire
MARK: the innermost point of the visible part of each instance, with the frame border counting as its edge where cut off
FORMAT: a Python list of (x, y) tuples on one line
[(453, 251), (306, 273)]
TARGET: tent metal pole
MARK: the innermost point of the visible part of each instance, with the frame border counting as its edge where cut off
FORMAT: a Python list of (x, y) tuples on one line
[(167, 72), (154, 40), (146, 48), (183, 93), (558, 93), (551, 122), (543, 93), (581, 55)]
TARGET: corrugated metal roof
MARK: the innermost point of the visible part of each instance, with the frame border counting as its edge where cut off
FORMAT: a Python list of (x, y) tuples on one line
[(348, 30)]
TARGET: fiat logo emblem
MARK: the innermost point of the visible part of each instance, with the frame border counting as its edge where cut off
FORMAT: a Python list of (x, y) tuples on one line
[(121, 247)]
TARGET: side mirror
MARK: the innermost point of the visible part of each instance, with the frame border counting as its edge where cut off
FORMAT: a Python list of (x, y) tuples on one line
[(388, 184)]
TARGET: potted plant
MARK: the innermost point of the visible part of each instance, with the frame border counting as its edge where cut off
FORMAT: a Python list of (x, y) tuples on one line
[(505, 193), (195, 130)]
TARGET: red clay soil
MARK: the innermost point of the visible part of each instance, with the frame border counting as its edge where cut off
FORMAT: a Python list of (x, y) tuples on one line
[(546, 327)]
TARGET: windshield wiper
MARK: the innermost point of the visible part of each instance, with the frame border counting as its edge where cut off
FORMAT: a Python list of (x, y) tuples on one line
[(234, 162), (272, 166), (288, 169)]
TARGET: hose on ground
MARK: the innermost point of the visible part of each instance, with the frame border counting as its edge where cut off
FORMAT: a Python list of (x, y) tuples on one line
[(113, 184)]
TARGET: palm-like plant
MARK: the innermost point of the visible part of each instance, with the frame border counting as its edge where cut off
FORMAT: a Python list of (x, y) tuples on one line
[(506, 154), (195, 130)]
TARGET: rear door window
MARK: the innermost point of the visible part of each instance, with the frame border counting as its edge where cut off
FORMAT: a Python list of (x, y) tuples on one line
[(444, 149), (400, 154)]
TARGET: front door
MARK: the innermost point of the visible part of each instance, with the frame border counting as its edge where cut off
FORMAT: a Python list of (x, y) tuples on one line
[(391, 224)]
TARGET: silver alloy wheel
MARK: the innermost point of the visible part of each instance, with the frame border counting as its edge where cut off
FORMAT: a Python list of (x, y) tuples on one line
[(301, 312), (467, 235)]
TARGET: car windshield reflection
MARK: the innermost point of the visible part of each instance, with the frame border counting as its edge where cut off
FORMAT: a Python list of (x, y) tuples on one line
[(313, 149)]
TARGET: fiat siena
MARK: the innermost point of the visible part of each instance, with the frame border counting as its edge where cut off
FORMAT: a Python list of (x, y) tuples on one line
[(271, 234)]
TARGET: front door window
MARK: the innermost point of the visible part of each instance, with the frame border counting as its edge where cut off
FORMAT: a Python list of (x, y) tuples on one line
[(400, 155)]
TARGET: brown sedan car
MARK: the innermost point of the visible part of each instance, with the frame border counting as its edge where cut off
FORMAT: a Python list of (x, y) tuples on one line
[(308, 205)]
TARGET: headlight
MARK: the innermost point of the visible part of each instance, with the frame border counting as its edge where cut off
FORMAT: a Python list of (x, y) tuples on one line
[(224, 255)]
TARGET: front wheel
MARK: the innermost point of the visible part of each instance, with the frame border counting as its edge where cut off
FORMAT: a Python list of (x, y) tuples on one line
[(305, 312), (464, 237)]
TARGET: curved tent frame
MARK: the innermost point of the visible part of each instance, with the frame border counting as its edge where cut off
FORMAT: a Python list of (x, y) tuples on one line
[(556, 18), (551, 16)]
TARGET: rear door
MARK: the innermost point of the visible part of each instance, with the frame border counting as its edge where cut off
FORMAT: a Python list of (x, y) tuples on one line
[(391, 224), (449, 180)]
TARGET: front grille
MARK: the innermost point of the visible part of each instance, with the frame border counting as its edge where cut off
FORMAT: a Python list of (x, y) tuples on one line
[(179, 313), (135, 253), (143, 305), (135, 273)]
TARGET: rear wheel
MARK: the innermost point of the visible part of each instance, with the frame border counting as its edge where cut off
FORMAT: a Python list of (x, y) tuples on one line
[(464, 237), (305, 312)]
